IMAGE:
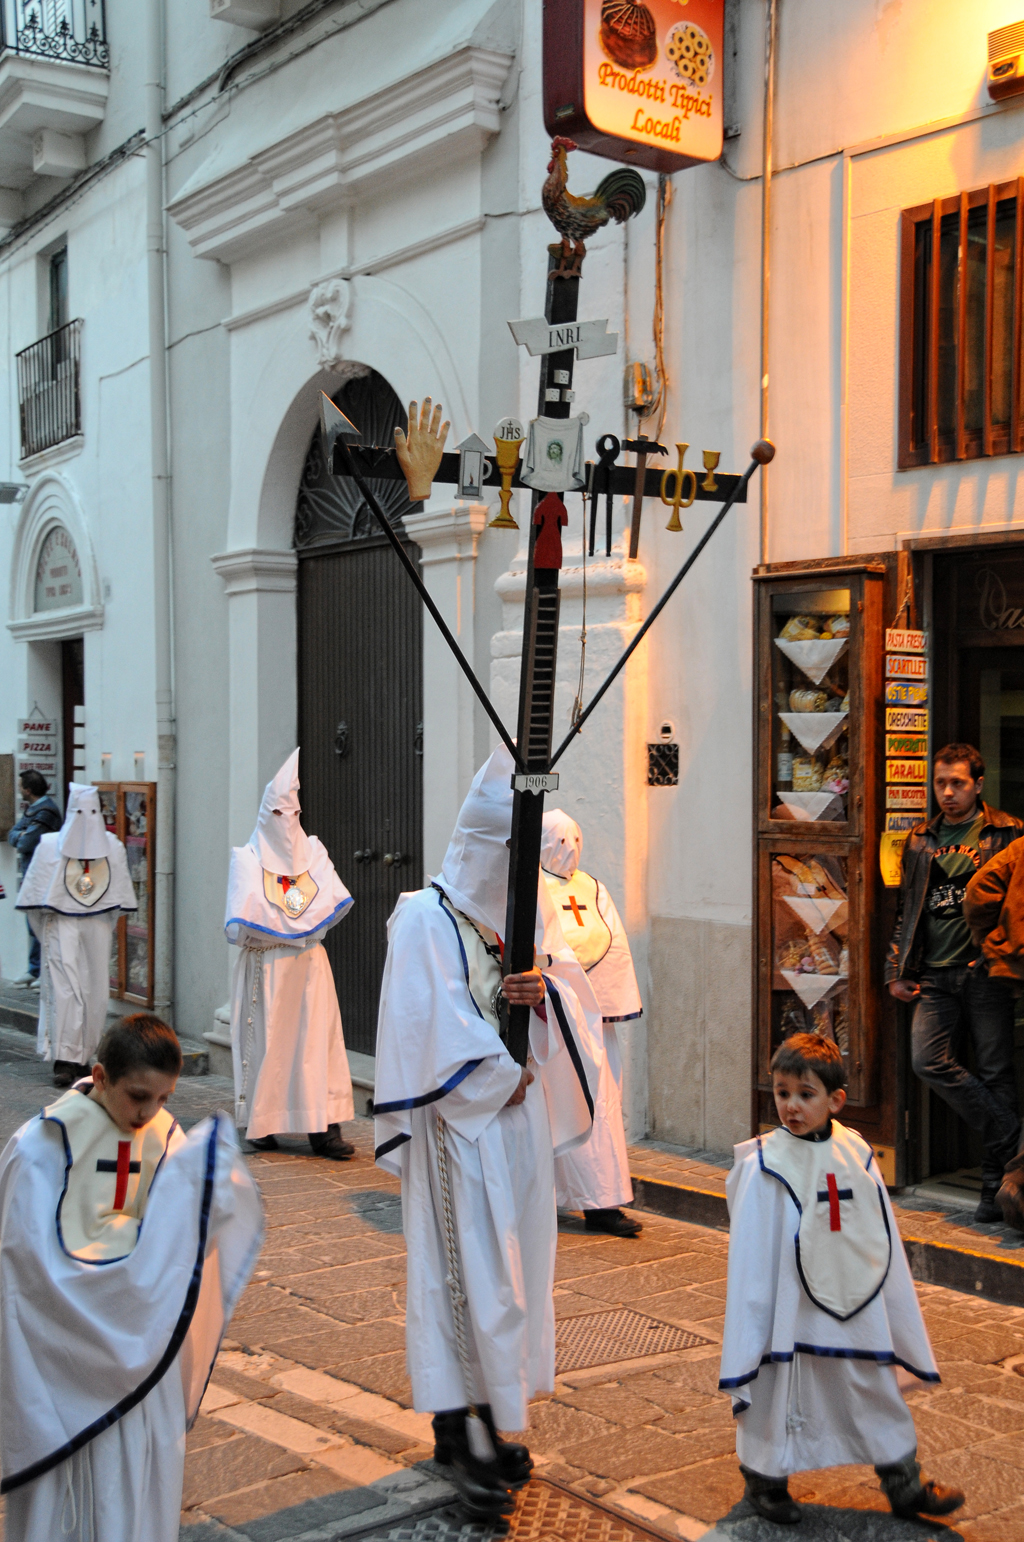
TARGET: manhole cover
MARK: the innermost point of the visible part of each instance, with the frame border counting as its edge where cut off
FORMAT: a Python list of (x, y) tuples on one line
[(544, 1513), (601, 1338)]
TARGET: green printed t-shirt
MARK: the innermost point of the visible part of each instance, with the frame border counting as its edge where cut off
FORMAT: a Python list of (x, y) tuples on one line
[(947, 939)]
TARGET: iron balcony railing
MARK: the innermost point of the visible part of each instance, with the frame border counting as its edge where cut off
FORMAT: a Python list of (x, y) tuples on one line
[(72, 30), (49, 392)]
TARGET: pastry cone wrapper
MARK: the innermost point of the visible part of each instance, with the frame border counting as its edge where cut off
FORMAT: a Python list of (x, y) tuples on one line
[(814, 659), (811, 987), (814, 729), (815, 914), (808, 805)]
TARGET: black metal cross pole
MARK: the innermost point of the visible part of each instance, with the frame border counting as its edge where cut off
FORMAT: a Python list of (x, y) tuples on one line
[(536, 687)]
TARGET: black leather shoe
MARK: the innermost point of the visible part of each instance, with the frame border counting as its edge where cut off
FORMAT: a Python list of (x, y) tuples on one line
[(988, 1210), (483, 1488), (264, 1143), (911, 1494), (64, 1073), (615, 1223), (771, 1498), (328, 1143)]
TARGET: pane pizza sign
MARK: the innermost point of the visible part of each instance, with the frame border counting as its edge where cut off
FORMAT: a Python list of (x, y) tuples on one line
[(645, 87)]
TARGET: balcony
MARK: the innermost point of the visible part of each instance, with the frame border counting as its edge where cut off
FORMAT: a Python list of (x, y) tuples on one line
[(54, 79), (49, 392), (72, 30)]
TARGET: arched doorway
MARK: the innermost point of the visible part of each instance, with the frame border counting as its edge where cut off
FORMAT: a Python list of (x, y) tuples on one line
[(360, 690)]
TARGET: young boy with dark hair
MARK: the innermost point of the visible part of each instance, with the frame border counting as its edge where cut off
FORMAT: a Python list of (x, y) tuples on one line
[(820, 1307), (109, 1327)]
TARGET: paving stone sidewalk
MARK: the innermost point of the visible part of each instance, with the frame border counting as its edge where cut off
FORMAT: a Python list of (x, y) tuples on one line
[(307, 1430)]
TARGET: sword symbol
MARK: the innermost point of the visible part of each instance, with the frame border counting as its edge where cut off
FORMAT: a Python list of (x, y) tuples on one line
[(641, 448)]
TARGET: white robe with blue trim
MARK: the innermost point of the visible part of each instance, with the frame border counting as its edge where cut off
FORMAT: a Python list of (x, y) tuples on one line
[(438, 1051), (815, 1378), (110, 1320), (290, 1066)]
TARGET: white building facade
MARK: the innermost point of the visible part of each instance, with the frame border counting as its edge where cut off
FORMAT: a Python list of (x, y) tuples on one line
[(349, 202)]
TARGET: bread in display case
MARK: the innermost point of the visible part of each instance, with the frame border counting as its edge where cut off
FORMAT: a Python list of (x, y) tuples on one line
[(821, 915)]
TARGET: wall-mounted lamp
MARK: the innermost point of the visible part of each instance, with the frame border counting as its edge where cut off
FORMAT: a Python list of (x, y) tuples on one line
[(13, 492)]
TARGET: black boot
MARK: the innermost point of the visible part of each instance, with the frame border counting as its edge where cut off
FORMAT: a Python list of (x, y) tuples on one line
[(483, 1488), (328, 1143), (770, 1497), (514, 1459), (988, 1210), (614, 1222), (911, 1494)]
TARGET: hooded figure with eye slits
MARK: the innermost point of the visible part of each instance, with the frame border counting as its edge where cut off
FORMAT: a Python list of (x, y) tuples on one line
[(76, 887), (594, 1178), (287, 1046)]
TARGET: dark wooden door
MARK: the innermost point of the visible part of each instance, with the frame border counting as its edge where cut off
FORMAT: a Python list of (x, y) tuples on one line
[(360, 732)]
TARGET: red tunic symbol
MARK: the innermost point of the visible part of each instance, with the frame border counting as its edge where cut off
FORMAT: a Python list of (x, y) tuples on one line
[(124, 1155), (550, 516), (834, 1223)]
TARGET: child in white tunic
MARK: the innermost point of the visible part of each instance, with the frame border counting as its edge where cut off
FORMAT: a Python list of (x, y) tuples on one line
[(109, 1327), (821, 1312)]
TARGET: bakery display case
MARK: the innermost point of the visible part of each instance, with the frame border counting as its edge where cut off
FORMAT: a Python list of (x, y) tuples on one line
[(822, 915), (129, 812)]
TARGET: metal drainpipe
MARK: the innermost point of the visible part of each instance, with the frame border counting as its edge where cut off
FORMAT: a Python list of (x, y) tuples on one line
[(162, 621), (770, 31)]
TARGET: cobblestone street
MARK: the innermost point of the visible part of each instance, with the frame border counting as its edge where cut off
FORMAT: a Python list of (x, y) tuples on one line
[(307, 1434)]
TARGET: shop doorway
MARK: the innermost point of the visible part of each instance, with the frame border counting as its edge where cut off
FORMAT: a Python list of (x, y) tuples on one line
[(977, 624), (360, 660)]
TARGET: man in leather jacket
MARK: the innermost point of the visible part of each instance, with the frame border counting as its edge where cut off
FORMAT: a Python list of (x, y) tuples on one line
[(934, 963)]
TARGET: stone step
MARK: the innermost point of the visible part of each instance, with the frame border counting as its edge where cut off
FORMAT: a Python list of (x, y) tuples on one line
[(19, 1009)]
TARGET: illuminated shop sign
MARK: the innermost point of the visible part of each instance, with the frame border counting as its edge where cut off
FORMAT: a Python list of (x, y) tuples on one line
[(638, 81)]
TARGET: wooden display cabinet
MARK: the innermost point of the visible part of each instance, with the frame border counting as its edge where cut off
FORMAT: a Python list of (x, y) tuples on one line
[(129, 812), (822, 915)]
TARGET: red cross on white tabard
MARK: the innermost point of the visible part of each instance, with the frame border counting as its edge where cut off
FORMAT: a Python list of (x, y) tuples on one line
[(123, 1167), (575, 908), (832, 1195)]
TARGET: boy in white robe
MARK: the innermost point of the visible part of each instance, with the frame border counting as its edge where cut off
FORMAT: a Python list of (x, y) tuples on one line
[(472, 1135), (287, 1045), (76, 887), (109, 1328), (820, 1313), (594, 1178)]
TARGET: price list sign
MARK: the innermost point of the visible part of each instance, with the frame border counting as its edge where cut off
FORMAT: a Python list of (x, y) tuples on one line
[(906, 742)]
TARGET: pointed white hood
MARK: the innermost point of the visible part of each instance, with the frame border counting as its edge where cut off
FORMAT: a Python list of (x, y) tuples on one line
[(561, 845), (83, 833), (474, 874), (279, 839)]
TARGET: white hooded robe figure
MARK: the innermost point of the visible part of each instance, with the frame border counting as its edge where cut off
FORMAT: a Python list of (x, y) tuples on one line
[(110, 1323), (76, 886), (594, 1177), (439, 1055), (287, 1046)]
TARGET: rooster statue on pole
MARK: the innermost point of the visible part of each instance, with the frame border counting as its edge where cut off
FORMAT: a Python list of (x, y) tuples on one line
[(618, 196)]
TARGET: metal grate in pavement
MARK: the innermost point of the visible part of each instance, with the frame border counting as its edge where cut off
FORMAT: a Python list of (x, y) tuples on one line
[(601, 1338), (544, 1513)]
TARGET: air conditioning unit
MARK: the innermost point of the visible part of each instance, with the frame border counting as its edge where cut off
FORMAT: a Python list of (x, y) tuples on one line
[(1006, 60), (257, 15)]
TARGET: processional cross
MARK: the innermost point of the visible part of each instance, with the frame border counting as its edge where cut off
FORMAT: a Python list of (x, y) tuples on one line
[(419, 457)]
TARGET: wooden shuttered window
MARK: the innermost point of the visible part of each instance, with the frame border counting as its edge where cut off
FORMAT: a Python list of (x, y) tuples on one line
[(961, 282)]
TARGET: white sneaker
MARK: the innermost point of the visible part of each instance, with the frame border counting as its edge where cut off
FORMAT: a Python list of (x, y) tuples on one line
[(26, 981)]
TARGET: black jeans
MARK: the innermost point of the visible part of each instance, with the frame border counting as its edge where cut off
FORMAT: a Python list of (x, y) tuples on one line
[(987, 1099)]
